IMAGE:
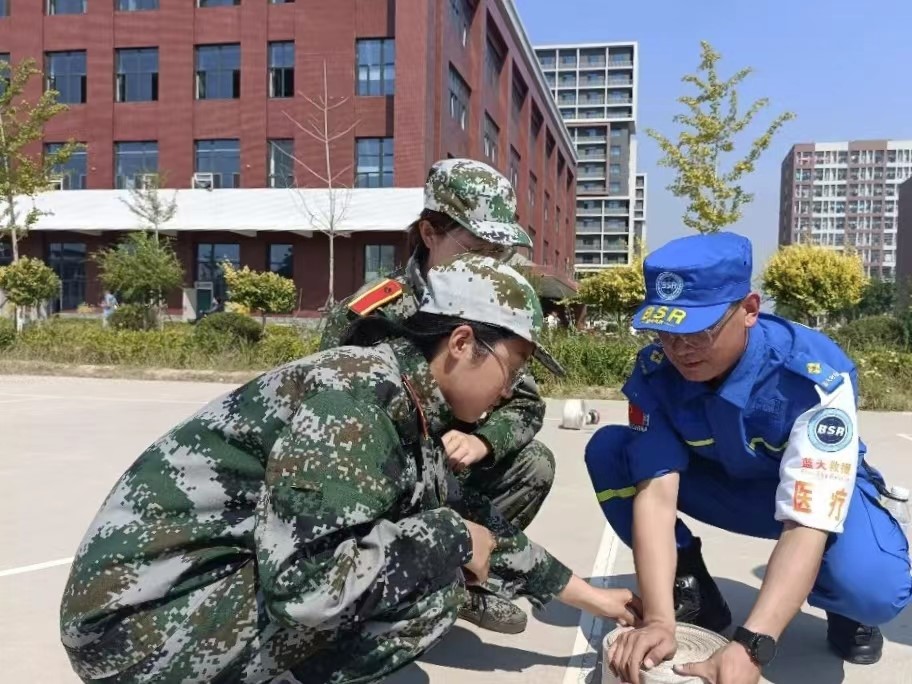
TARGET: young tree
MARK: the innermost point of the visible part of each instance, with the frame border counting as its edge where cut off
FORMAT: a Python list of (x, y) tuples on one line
[(28, 282), (149, 204), (714, 195), (325, 217), (812, 282), (614, 292), (141, 268), (266, 292), (24, 173)]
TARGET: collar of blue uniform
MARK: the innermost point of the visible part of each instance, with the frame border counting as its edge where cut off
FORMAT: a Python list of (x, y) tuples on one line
[(423, 387), (736, 389)]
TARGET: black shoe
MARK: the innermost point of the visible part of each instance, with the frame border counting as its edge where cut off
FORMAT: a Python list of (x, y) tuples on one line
[(854, 642), (697, 598)]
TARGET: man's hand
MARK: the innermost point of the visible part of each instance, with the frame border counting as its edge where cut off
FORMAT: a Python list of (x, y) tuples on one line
[(463, 450), (645, 647), (728, 665)]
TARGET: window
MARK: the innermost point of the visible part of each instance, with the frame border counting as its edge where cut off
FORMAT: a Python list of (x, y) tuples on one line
[(221, 158), (218, 72), (132, 159), (617, 132), (537, 121), (518, 95), (494, 61), (66, 6), (280, 2), (461, 14), (280, 163), (515, 161), (208, 259), (614, 188), (376, 66), (374, 162), (73, 172), (459, 98), (491, 135), (68, 261), (136, 5), (4, 8), (281, 260), (615, 150), (137, 75), (217, 3), (281, 69), (66, 73), (4, 70), (378, 261), (615, 169), (533, 190)]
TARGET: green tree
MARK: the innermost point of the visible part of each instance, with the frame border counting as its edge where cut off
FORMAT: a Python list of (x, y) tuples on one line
[(148, 203), (614, 292), (266, 292), (714, 195), (813, 282), (142, 269), (22, 172), (27, 282), (878, 299)]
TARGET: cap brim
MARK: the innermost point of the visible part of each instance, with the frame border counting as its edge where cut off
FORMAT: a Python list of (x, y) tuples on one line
[(495, 232), (544, 358), (696, 318)]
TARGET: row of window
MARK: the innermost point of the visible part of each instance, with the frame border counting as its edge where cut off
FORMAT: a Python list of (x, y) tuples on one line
[(222, 158), (55, 7), (218, 71), (68, 260)]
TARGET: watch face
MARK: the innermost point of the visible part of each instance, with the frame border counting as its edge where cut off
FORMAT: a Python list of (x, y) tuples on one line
[(765, 648)]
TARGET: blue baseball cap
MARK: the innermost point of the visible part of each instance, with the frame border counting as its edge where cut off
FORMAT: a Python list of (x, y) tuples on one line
[(691, 282)]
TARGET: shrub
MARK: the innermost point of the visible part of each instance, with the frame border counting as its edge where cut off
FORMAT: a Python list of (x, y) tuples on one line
[(871, 332), (591, 359), (283, 344), (7, 332), (223, 328), (28, 282), (133, 317)]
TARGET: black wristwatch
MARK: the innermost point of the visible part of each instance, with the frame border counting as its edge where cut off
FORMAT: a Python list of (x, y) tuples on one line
[(760, 647)]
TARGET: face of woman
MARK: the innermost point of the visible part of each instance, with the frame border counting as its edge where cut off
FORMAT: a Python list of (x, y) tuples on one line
[(444, 246), (473, 376)]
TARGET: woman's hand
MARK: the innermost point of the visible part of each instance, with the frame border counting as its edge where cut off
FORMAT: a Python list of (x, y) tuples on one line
[(620, 605), (483, 545)]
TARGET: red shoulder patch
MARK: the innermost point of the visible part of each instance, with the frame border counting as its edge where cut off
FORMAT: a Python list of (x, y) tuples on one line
[(384, 292)]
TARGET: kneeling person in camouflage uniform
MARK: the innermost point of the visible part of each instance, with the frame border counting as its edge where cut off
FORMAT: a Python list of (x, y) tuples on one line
[(299, 529), (470, 208)]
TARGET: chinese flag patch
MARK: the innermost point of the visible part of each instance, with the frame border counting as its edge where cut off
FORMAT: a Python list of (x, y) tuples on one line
[(637, 418)]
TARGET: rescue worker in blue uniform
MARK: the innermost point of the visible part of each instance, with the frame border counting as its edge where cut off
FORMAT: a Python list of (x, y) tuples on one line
[(747, 422)]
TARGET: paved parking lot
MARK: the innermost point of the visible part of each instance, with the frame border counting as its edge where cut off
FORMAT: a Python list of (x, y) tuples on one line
[(63, 443)]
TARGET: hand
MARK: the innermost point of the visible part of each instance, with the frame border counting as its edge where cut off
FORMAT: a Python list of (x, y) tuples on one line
[(463, 450), (645, 647), (483, 545), (728, 665), (620, 605)]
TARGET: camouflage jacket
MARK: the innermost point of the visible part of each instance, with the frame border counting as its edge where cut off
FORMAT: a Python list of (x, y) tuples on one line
[(510, 426), (300, 504)]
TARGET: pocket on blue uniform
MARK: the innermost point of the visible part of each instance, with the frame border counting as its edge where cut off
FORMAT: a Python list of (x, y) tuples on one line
[(887, 533)]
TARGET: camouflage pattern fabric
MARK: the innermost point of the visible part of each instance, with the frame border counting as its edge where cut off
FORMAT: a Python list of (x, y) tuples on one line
[(293, 530), (478, 197)]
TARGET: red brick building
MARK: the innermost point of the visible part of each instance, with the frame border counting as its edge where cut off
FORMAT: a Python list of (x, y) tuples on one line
[(204, 92)]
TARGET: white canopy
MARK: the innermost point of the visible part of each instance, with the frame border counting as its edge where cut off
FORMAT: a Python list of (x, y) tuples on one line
[(243, 209)]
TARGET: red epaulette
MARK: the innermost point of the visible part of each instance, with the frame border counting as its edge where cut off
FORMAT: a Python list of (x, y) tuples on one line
[(382, 293)]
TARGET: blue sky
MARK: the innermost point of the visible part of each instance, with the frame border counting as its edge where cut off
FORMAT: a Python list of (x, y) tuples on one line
[(845, 69)]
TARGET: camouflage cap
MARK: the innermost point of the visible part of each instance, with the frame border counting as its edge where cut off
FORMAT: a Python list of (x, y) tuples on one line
[(485, 290), (477, 197)]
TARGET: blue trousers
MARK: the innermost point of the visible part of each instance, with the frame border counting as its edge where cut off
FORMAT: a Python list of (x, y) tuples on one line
[(865, 574)]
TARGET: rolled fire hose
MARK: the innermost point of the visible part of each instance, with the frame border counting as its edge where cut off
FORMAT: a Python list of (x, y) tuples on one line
[(576, 414), (695, 645)]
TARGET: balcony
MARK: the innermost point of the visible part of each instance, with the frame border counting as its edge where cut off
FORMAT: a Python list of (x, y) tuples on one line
[(582, 228), (620, 63), (592, 82), (586, 155), (614, 246), (627, 114), (593, 63), (590, 189), (620, 100), (591, 140), (616, 211), (620, 82), (588, 245), (588, 211)]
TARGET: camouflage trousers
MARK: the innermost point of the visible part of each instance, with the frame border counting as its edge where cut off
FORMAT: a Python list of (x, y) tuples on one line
[(517, 485)]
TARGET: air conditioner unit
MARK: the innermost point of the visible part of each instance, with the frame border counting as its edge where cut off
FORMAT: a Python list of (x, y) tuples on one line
[(203, 181), (56, 183)]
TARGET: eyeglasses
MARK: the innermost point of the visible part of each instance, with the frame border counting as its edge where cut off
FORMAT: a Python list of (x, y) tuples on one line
[(499, 252), (699, 340), (512, 381)]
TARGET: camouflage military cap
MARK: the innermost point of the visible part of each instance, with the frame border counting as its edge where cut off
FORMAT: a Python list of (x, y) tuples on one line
[(484, 290), (477, 197)]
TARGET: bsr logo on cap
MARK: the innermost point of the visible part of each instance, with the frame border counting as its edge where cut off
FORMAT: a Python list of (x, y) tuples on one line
[(830, 430), (669, 286)]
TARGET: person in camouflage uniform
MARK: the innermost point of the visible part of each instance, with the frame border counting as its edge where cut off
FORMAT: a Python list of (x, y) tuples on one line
[(470, 207), (301, 528)]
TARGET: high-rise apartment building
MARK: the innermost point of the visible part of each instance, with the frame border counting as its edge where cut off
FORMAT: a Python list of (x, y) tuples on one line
[(845, 194), (595, 87), (904, 246), (214, 96)]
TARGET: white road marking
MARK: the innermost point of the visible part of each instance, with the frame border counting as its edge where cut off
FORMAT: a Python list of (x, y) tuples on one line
[(585, 657), (22, 400), (37, 566), (134, 400), (904, 436)]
